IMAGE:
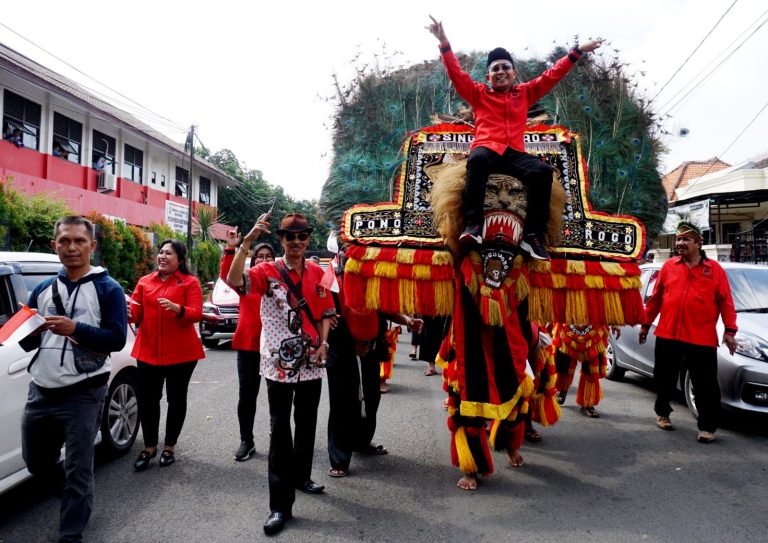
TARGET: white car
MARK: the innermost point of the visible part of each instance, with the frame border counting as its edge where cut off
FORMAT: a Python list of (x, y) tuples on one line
[(19, 274)]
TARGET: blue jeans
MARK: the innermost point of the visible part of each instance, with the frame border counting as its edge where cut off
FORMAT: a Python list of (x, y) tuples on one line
[(51, 421)]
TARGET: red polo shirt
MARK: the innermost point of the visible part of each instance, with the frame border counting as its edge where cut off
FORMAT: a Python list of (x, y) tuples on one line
[(501, 117), (248, 332), (690, 301), (165, 337)]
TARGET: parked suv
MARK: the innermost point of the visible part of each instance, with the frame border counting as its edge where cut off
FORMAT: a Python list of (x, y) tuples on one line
[(20, 273), (220, 314)]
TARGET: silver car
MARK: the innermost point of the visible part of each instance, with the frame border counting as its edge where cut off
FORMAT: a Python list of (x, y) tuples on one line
[(743, 377), (19, 274)]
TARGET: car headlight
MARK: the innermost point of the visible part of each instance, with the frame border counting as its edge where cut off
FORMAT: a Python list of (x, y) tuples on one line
[(752, 346), (210, 308)]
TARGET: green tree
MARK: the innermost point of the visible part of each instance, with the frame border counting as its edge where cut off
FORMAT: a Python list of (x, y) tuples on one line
[(206, 257), (30, 219)]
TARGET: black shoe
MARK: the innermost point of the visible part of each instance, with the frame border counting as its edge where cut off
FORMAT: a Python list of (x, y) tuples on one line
[(276, 522), (472, 235), (533, 246), (142, 462), (166, 458), (245, 451), (311, 487), (561, 396)]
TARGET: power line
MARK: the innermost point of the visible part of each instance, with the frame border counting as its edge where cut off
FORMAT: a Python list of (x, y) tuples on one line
[(177, 125), (704, 79), (694, 51)]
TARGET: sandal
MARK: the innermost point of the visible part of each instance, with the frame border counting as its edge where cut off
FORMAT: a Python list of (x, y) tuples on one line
[(412, 355), (430, 371), (590, 412), (532, 435), (337, 472), (374, 449)]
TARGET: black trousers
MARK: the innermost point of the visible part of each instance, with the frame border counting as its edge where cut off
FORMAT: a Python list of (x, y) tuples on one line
[(249, 380), (151, 378), (701, 362), (535, 174), (351, 420), (290, 457)]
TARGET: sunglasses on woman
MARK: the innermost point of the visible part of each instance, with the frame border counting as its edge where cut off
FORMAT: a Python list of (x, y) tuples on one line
[(290, 236)]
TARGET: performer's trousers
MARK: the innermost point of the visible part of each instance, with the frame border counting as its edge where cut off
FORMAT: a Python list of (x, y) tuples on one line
[(535, 174), (249, 381), (348, 429), (701, 362), (290, 457)]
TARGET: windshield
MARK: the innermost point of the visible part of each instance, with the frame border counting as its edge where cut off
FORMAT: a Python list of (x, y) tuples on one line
[(749, 288)]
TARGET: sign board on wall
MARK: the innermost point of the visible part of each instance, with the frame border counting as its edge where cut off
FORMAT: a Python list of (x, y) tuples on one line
[(176, 216)]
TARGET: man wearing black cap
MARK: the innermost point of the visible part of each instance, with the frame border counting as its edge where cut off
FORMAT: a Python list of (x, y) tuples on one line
[(501, 112), (691, 293)]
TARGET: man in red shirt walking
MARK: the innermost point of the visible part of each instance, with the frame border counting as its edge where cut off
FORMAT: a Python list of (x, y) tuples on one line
[(691, 293), (501, 113)]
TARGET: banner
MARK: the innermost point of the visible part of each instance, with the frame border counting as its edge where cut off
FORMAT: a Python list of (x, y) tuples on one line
[(696, 212)]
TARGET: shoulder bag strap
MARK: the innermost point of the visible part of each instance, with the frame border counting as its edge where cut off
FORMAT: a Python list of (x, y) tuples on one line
[(57, 298), (300, 301)]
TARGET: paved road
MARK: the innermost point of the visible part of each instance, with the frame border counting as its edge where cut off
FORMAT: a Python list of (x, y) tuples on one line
[(613, 479)]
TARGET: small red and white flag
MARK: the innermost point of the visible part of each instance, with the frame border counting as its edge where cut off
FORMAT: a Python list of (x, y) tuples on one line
[(329, 281), (23, 323)]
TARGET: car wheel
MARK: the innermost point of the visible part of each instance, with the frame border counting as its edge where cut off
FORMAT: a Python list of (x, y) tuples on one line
[(612, 371), (211, 343), (690, 396), (120, 420)]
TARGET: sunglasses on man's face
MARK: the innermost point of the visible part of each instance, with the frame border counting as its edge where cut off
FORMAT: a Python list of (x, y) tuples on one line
[(290, 236)]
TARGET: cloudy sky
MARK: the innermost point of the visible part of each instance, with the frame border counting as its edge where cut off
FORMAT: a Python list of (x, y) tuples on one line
[(256, 77)]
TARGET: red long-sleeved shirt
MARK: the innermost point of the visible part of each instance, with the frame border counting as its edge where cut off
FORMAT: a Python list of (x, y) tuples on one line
[(166, 337), (690, 301), (248, 332), (500, 117)]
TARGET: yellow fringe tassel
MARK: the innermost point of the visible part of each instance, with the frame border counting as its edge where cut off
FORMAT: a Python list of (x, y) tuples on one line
[(594, 281), (385, 269), (494, 313), (631, 282), (575, 306), (373, 293), (466, 462), (422, 271), (443, 297), (559, 280), (405, 256), (353, 266), (442, 258), (576, 266), (494, 432), (407, 292), (613, 268), (613, 309), (592, 393), (371, 253)]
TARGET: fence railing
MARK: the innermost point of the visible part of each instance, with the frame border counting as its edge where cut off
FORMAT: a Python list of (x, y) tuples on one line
[(751, 247)]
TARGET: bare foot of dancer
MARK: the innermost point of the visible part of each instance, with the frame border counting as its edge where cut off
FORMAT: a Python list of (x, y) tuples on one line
[(468, 482), (515, 459)]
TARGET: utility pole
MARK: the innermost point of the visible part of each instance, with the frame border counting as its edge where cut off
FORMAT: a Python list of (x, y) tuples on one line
[(191, 144)]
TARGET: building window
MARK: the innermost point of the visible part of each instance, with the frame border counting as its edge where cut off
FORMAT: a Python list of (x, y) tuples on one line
[(67, 138), (103, 155), (133, 164), (20, 114), (182, 182), (153, 178), (205, 190), (162, 180)]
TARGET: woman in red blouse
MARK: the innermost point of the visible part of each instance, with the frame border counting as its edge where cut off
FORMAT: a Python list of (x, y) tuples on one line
[(166, 304)]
